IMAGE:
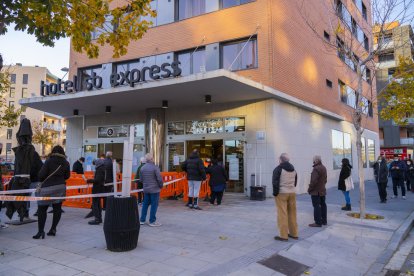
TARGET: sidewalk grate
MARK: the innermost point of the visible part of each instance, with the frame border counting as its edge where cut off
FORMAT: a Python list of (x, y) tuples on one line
[(284, 265)]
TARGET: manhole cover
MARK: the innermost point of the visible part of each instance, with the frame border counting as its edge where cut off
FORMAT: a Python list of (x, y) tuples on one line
[(284, 265)]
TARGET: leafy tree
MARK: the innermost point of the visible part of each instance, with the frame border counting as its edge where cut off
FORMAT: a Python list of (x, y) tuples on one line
[(112, 24), (9, 115), (398, 97), (40, 136)]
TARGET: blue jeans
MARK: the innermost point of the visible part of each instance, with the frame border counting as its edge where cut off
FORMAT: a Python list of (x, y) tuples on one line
[(347, 198), (150, 199)]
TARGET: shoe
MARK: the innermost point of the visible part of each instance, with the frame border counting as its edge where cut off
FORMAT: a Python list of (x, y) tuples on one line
[(292, 237), (39, 235), (89, 215), (155, 224), (197, 207), (35, 214), (3, 226), (52, 232), (280, 239), (315, 225), (142, 222), (95, 222), (404, 197), (50, 212), (324, 223)]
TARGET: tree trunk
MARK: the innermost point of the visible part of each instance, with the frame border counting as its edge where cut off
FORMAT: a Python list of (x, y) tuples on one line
[(361, 174)]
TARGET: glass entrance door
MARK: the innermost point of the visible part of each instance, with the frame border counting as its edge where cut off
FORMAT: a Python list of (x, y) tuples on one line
[(234, 164), (116, 148)]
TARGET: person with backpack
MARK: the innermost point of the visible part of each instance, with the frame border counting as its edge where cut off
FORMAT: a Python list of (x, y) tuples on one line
[(194, 167)]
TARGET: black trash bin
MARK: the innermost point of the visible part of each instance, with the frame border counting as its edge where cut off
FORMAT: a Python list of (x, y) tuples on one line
[(257, 192), (121, 225)]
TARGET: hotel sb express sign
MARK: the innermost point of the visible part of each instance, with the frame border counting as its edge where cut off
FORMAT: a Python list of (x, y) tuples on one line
[(132, 77)]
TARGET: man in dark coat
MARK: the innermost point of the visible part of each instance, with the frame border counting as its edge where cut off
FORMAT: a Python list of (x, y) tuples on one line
[(381, 177), (78, 166), (97, 188), (27, 165), (398, 169), (218, 179), (196, 173), (109, 175), (317, 190)]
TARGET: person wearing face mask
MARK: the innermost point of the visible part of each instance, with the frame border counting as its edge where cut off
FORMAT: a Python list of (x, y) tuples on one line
[(381, 177), (397, 174), (344, 174), (410, 173)]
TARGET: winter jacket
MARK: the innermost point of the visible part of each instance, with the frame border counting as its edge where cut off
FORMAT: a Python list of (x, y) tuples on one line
[(99, 177), (194, 168), (318, 180), (381, 171), (77, 167), (109, 176), (137, 180), (284, 179), (344, 174), (397, 169), (218, 178), (58, 175), (151, 178), (410, 172)]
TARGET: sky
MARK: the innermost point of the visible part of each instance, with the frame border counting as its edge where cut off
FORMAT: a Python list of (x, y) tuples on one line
[(19, 47)]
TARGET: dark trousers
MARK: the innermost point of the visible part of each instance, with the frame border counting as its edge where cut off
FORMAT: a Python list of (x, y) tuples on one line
[(96, 208), (382, 190), (140, 197), (319, 209), (408, 182), (42, 215), (214, 195), (397, 182)]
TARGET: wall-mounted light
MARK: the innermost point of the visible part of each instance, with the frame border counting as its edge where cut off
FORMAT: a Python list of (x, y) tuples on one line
[(76, 112), (107, 109), (164, 104), (207, 99)]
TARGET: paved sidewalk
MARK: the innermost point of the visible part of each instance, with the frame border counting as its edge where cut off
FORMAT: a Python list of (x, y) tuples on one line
[(219, 240)]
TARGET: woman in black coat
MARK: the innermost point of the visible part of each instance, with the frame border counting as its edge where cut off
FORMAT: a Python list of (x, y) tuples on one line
[(218, 179), (53, 176), (344, 174), (381, 177)]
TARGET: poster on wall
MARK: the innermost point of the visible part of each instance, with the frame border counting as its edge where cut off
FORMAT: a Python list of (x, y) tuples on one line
[(113, 131), (234, 168)]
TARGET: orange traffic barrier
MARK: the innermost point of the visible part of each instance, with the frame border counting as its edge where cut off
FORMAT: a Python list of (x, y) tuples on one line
[(80, 202)]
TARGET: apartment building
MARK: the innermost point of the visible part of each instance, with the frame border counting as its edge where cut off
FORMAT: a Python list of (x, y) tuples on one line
[(240, 80), (397, 41), (24, 82)]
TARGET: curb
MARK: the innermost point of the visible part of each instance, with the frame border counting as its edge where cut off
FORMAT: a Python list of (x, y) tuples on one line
[(397, 238)]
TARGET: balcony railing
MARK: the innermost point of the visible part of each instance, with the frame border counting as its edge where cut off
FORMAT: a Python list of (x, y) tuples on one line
[(54, 127), (407, 141)]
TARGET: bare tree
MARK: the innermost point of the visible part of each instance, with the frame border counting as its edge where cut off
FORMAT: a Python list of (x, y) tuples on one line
[(353, 45)]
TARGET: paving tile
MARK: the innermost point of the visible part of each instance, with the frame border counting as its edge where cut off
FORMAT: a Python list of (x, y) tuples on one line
[(186, 263), (28, 263), (90, 266), (156, 268), (64, 258), (54, 270), (15, 272)]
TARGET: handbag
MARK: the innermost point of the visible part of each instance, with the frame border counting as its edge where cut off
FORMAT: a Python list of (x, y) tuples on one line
[(349, 183), (38, 191)]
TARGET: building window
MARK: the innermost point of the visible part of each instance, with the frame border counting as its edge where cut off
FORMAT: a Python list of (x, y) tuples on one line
[(386, 57), (361, 7), (364, 152), (364, 11), (12, 92), (328, 83), (391, 72), (371, 152), (343, 13), (326, 36), (126, 66), (367, 107), (192, 62), (366, 74), (86, 73), (341, 147), (9, 134), (24, 92), (231, 3), (239, 55), (190, 8), (12, 78), (106, 28), (8, 147), (366, 43), (11, 103), (347, 94), (345, 55), (25, 78)]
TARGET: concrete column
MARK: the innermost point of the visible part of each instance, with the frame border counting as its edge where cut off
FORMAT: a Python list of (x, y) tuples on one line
[(74, 136), (155, 134)]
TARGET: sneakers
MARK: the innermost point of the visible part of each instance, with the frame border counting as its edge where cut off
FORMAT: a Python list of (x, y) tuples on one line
[(3, 226), (315, 225), (142, 222), (404, 197), (155, 224), (197, 207), (293, 237), (95, 222)]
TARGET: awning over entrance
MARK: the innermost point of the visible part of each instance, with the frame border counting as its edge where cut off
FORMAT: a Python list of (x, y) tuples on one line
[(224, 87)]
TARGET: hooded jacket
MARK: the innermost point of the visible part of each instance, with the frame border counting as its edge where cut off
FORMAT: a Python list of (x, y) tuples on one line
[(51, 174), (344, 174), (284, 179), (318, 180), (194, 168)]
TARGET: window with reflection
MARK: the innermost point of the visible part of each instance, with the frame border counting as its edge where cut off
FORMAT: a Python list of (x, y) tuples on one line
[(364, 152), (190, 8), (204, 126), (176, 128), (86, 73), (341, 148), (371, 152), (126, 66), (234, 124), (192, 62), (239, 55), (231, 3)]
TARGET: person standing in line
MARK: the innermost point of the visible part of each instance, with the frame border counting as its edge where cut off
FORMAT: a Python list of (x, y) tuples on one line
[(344, 174), (78, 166), (218, 179), (53, 174), (317, 190), (284, 182), (397, 175), (97, 188), (410, 173), (381, 177), (151, 178), (406, 178), (109, 176), (196, 173), (139, 181)]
